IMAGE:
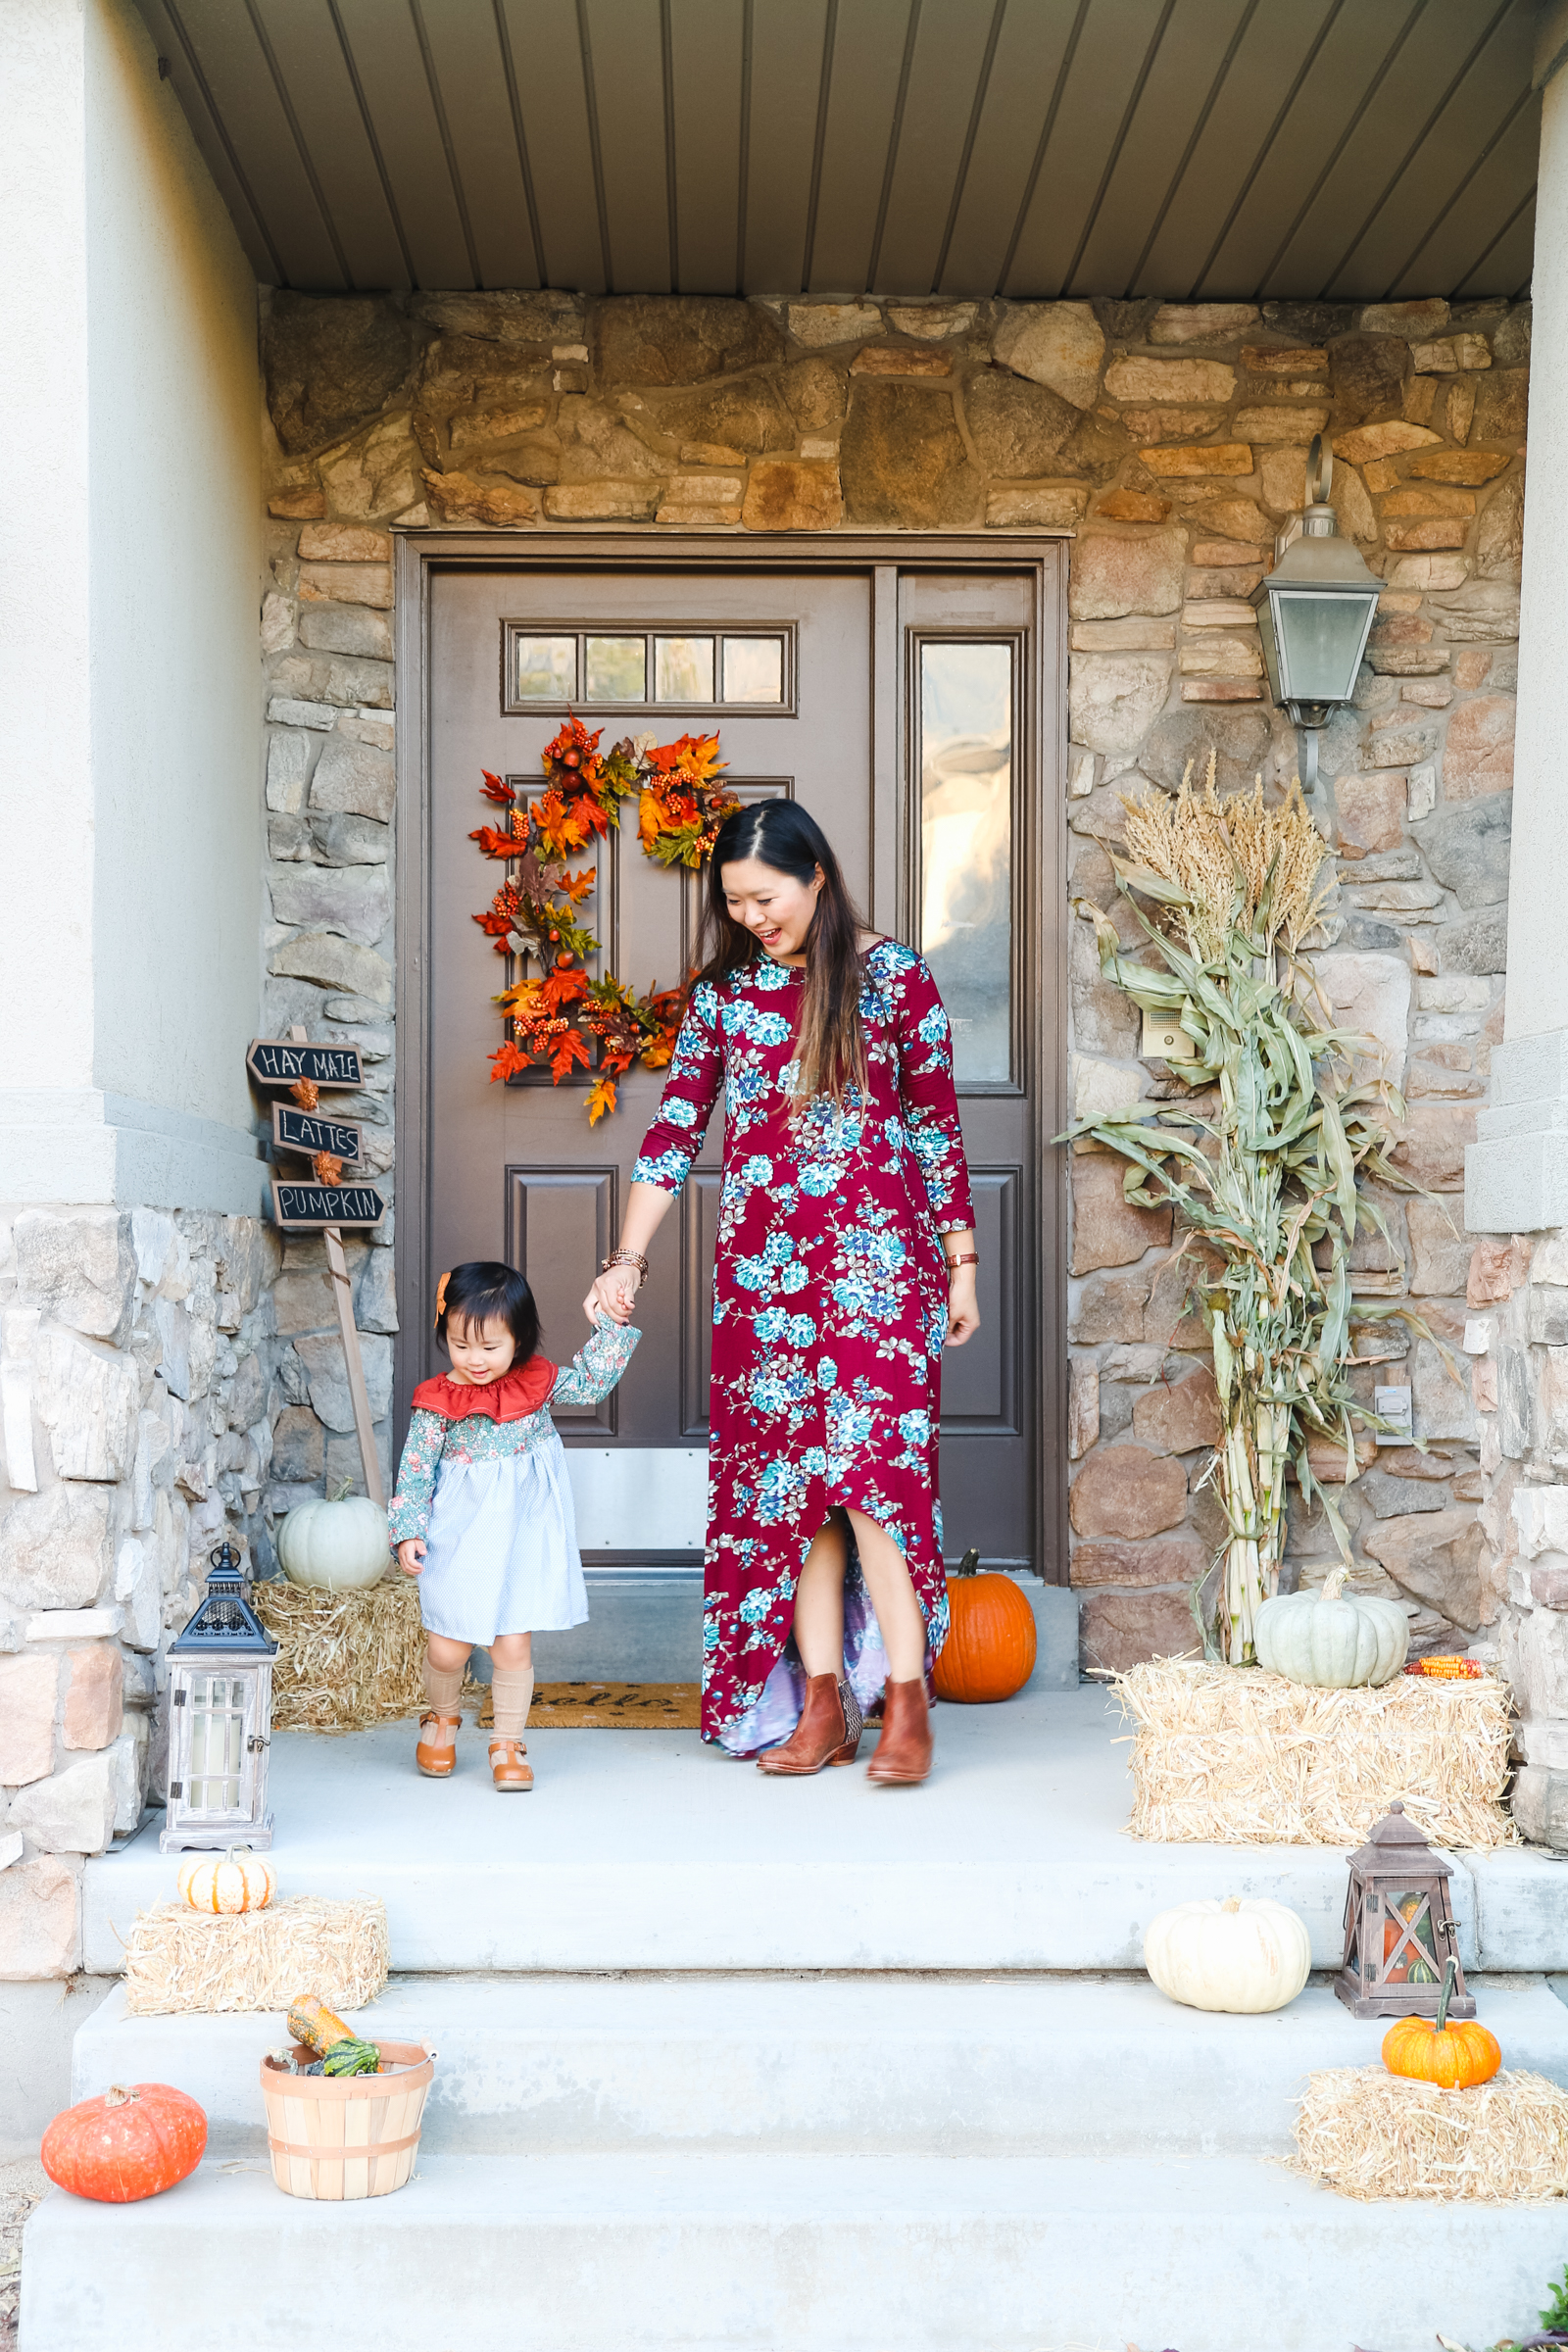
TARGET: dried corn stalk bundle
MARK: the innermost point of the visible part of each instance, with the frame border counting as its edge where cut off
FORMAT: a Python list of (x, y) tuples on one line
[(1228, 1758), (184, 1962), (1369, 2134), (1263, 1163), (345, 1660)]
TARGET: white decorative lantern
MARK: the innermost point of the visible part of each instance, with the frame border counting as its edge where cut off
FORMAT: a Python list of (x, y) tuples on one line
[(219, 1718)]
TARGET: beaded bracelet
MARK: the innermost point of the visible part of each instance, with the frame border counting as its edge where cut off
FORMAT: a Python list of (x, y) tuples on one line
[(626, 1258)]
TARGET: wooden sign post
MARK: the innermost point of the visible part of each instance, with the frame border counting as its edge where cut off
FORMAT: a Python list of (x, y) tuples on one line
[(322, 1206)]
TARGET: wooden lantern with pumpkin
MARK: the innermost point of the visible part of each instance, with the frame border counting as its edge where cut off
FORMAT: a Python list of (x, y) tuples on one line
[(990, 1650)]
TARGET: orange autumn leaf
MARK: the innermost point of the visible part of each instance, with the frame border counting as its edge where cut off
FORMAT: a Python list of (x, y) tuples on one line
[(326, 1167), (600, 1098), (508, 1061), (570, 1052)]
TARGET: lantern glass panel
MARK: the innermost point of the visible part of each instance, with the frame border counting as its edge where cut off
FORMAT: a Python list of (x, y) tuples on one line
[(1410, 1939), (218, 1704), (1319, 644)]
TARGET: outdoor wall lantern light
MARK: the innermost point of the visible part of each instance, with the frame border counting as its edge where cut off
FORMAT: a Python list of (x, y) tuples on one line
[(1399, 1931), (1314, 612), (220, 1718)]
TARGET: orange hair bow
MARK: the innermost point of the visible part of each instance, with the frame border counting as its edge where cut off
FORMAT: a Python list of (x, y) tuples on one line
[(441, 1297)]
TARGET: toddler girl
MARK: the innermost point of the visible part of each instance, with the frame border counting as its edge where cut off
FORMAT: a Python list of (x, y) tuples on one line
[(483, 1513)]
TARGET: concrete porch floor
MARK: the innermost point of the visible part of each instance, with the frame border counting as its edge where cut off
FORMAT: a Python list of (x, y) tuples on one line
[(646, 1850)]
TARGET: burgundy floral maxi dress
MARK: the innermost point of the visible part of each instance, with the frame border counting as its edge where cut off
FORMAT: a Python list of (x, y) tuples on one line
[(830, 1312)]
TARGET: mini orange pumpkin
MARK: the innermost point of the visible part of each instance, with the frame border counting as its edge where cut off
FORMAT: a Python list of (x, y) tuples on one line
[(125, 2144), (1457, 2056), (989, 1650)]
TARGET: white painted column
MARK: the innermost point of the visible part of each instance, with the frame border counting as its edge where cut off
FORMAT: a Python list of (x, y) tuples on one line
[(1516, 1176), (46, 796), (131, 560)]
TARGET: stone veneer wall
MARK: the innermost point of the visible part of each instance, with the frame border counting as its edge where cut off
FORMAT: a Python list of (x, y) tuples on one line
[(166, 1376)]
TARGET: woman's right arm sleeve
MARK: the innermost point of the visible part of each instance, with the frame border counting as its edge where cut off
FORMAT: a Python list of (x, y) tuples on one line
[(696, 1075), (409, 1513)]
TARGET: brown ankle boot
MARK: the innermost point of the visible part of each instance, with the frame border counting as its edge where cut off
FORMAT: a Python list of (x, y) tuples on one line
[(828, 1731), (437, 1751), (904, 1751)]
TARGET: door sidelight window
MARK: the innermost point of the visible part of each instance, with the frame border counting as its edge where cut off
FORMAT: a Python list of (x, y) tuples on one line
[(966, 705)]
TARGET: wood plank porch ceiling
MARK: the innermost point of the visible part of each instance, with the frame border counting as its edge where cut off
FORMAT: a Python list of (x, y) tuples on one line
[(1352, 150)]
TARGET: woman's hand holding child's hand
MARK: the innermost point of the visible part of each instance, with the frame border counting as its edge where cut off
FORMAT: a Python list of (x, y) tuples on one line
[(613, 1294), (411, 1555)]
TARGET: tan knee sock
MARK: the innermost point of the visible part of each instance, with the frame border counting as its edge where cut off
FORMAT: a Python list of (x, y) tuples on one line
[(510, 1696), (442, 1690)]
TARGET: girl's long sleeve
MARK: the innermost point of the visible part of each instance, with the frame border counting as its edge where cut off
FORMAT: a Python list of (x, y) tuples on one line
[(597, 1365), (930, 1101), (696, 1074), (409, 1512)]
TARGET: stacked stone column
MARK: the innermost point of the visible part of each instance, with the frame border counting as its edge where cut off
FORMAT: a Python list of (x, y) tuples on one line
[(138, 1384)]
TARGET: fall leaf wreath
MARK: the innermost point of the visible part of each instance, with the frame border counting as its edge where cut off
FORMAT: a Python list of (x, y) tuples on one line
[(556, 1014)]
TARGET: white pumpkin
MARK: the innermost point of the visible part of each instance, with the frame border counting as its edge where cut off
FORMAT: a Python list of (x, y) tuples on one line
[(1335, 1640), (336, 1546), (1237, 1955), (235, 1881)]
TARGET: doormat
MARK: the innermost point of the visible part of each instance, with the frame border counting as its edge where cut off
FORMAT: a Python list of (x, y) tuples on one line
[(609, 1707)]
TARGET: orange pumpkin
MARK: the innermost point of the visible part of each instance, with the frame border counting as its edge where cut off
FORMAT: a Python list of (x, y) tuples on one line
[(1457, 2056), (989, 1650), (125, 2144)]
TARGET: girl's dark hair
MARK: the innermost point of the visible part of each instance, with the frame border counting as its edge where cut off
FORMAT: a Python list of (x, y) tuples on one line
[(486, 1291), (779, 833)]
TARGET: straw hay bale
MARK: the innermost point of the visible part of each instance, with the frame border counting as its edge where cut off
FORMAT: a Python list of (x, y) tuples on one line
[(184, 1962), (1369, 2134), (345, 1660), (1233, 1757)]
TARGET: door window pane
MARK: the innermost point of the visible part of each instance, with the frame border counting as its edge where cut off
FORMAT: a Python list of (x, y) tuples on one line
[(683, 669), (967, 847), (754, 669), (617, 670), (547, 669)]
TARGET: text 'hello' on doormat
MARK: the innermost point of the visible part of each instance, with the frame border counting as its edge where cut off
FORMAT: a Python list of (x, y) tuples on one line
[(609, 1707)]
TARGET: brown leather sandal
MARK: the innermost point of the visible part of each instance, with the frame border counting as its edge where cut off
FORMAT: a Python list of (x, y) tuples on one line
[(828, 1731), (506, 1767), (437, 1756)]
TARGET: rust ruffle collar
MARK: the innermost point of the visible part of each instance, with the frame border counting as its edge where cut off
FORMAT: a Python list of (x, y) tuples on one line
[(520, 1392)]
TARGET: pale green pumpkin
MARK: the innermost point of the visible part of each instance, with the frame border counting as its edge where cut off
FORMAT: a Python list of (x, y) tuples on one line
[(1332, 1641), (337, 1546)]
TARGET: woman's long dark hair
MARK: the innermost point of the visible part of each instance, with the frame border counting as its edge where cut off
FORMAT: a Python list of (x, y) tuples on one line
[(779, 834)]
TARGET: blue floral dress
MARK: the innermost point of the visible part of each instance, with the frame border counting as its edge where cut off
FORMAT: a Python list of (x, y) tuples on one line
[(483, 1480), (830, 1313)]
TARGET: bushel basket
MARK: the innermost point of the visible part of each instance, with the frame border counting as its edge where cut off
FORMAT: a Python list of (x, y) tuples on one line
[(351, 2136)]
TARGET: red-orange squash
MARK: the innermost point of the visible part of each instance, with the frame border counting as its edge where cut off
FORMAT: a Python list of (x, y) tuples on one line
[(989, 1650), (125, 2144), (1456, 2053)]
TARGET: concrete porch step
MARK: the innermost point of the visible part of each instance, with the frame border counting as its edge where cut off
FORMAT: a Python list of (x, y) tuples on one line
[(646, 1850), (840, 2066), (794, 2254)]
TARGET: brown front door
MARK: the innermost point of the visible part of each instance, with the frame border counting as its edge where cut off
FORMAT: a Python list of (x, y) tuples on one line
[(902, 707)]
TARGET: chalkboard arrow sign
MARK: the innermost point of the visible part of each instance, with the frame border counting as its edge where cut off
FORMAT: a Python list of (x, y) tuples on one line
[(308, 1132), (276, 1061), (306, 1208)]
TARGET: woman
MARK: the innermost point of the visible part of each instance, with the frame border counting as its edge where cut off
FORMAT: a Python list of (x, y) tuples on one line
[(843, 1261)]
